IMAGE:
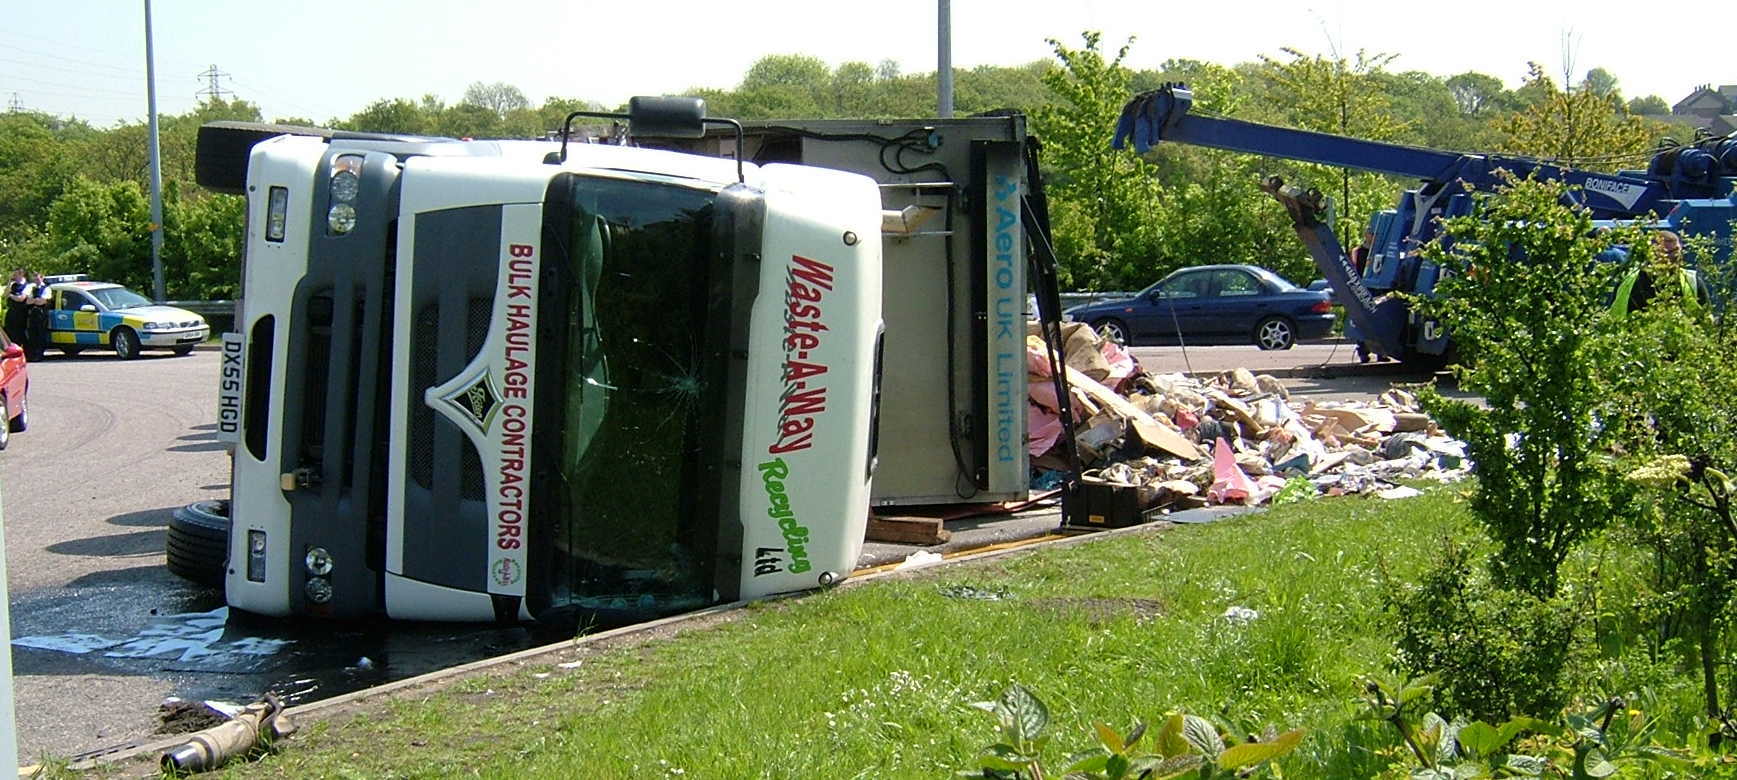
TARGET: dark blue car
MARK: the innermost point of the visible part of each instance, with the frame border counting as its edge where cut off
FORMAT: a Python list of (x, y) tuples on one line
[(1214, 304)]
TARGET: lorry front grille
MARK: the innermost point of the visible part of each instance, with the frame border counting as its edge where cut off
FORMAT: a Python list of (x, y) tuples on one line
[(454, 278), (423, 360)]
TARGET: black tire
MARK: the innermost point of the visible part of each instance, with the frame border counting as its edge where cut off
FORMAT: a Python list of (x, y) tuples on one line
[(125, 342), (5, 430), (1275, 333), (21, 423), (1112, 330), (184, 350), (198, 542), (71, 351)]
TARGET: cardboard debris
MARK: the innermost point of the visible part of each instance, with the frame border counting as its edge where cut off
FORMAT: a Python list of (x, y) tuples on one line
[(1149, 433), (1355, 418), (1155, 435)]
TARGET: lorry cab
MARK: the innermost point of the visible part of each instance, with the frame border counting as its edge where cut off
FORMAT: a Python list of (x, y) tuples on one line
[(481, 382)]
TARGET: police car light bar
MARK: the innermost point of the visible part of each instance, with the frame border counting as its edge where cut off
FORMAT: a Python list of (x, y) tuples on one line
[(62, 278)]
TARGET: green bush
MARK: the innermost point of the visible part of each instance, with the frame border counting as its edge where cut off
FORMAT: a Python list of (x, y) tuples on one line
[(1525, 299), (1495, 652)]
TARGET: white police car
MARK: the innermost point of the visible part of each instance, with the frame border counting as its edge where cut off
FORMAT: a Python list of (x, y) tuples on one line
[(102, 314)]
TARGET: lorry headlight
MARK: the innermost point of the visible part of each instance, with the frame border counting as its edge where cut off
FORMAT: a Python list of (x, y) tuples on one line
[(319, 562), (319, 590), (256, 556), (346, 177), (342, 218), (345, 185), (276, 213)]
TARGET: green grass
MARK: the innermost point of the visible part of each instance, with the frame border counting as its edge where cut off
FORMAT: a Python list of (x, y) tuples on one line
[(874, 681)]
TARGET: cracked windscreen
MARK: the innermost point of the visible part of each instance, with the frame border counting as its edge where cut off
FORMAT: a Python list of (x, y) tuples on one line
[(628, 523)]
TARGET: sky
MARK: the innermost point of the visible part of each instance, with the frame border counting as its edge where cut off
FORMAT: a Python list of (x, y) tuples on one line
[(322, 60)]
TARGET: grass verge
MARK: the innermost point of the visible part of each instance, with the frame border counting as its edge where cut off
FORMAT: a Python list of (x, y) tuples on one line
[(873, 681)]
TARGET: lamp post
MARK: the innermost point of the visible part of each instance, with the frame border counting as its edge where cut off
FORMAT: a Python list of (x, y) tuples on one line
[(944, 49), (156, 165)]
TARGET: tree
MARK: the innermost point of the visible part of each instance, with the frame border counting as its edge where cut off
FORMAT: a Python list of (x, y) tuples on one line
[(1600, 82), (34, 170), (389, 116), (500, 97), (102, 228), (1577, 128), (1103, 201), (1524, 296), (1651, 105), (1343, 97), (468, 120), (853, 85), (990, 87), (202, 244), (798, 71), (1680, 427), (1476, 93)]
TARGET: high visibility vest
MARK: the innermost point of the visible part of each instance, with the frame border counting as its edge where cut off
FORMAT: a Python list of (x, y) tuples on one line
[(1624, 291)]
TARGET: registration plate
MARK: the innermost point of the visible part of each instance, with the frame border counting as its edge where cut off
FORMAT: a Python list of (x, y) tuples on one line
[(229, 390)]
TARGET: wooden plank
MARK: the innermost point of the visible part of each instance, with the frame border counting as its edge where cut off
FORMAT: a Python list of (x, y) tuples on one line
[(907, 530)]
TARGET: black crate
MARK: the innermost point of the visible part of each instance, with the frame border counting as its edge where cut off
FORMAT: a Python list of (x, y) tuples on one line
[(1102, 505)]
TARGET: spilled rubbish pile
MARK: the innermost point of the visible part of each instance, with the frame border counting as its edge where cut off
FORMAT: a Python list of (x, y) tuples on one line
[(1177, 442)]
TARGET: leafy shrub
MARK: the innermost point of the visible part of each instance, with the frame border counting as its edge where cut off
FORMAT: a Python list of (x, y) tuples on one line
[(1185, 745), (1602, 742), (1526, 301), (1497, 652)]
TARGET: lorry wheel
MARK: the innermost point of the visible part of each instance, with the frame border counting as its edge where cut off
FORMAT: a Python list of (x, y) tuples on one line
[(1275, 333), (198, 542), (1112, 331), (126, 343)]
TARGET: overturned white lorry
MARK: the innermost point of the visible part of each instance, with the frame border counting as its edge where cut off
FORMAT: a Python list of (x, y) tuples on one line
[(522, 380)]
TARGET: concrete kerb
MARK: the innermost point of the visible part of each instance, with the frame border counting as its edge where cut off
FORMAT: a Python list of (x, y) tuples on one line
[(1327, 371), (301, 715)]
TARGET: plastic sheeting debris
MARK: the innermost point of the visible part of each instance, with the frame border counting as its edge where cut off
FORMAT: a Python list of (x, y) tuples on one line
[(919, 559), (1240, 615)]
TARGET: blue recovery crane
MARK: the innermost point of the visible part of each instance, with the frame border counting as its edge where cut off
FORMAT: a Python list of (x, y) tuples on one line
[(1688, 188)]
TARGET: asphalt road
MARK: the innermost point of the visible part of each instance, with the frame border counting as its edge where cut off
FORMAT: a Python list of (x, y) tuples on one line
[(113, 447)]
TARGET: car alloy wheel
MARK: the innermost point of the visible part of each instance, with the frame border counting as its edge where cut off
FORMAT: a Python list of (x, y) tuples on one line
[(126, 343), (1274, 333), (1112, 331)]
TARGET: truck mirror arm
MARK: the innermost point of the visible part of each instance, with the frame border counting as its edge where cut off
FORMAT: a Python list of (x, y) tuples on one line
[(668, 117)]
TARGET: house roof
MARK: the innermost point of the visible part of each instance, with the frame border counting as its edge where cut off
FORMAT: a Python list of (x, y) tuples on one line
[(1702, 97)]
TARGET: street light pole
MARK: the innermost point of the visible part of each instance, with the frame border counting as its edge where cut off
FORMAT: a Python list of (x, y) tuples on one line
[(157, 291), (944, 48)]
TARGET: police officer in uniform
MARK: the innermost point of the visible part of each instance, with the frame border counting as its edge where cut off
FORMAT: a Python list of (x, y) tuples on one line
[(17, 300), (36, 319)]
